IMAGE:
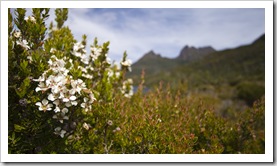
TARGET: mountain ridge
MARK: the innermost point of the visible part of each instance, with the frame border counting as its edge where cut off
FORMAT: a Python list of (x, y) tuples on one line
[(238, 59), (192, 53)]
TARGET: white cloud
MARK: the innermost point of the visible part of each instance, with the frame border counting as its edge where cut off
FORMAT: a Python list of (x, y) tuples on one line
[(166, 31)]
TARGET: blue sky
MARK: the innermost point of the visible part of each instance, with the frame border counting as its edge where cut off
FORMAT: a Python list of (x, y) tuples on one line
[(166, 31)]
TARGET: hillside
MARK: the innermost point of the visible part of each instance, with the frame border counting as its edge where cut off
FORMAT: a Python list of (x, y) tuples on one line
[(153, 64), (230, 75)]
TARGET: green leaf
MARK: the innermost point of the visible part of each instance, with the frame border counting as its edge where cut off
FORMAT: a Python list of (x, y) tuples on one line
[(18, 128), (21, 91)]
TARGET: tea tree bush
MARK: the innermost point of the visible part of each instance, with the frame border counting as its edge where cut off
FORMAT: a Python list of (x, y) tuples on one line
[(55, 88), (63, 99)]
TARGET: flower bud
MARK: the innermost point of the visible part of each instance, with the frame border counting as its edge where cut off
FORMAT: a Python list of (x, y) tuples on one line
[(110, 122)]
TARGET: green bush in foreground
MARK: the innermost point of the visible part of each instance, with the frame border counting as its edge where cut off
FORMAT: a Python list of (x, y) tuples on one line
[(62, 100)]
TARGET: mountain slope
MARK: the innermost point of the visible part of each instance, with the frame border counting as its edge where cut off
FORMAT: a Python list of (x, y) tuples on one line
[(245, 62), (152, 64)]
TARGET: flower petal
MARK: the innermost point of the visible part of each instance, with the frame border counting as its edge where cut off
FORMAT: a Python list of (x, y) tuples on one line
[(72, 98), (83, 105), (74, 103), (56, 102), (57, 109), (58, 129), (68, 104), (44, 102), (51, 97), (65, 100), (38, 103), (65, 110), (38, 89)]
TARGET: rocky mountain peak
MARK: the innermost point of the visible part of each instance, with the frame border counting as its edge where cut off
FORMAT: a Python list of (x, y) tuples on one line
[(151, 54), (191, 53)]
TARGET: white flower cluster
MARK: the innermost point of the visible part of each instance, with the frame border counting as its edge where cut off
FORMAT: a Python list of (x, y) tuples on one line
[(127, 88), (127, 63), (112, 73), (23, 43), (80, 51), (30, 18), (95, 52), (63, 90)]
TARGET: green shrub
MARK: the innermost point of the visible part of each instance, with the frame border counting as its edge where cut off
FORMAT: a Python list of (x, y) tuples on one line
[(250, 92)]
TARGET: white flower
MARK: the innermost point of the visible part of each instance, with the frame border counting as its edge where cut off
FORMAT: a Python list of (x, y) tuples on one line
[(57, 109), (110, 73), (86, 104), (117, 74), (30, 58), (79, 50), (84, 70), (127, 88), (53, 50), (127, 63), (23, 44), (41, 78), (88, 76), (61, 116), (85, 60), (58, 85), (95, 52), (17, 34), (89, 68), (92, 98), (109, 61), (50, 81), (86, 126), (68, 96), (78, 85), (116, 129), (110, 122), (129, 81), (52, 97), (59, 131), (57, 103), (30, 18), (68, 104), (44, 106), (56, 64), (41, 87), (78, 46), (78, 54)]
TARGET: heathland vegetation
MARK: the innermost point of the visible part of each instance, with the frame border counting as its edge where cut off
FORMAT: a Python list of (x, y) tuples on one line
[(63, 100)]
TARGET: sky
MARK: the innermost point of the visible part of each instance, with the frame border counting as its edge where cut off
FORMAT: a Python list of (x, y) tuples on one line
[(165, 31)]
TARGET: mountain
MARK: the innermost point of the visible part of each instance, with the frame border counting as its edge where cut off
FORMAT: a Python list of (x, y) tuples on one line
[(191, 53), (152, 64), (231, 78), (204, 64)]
